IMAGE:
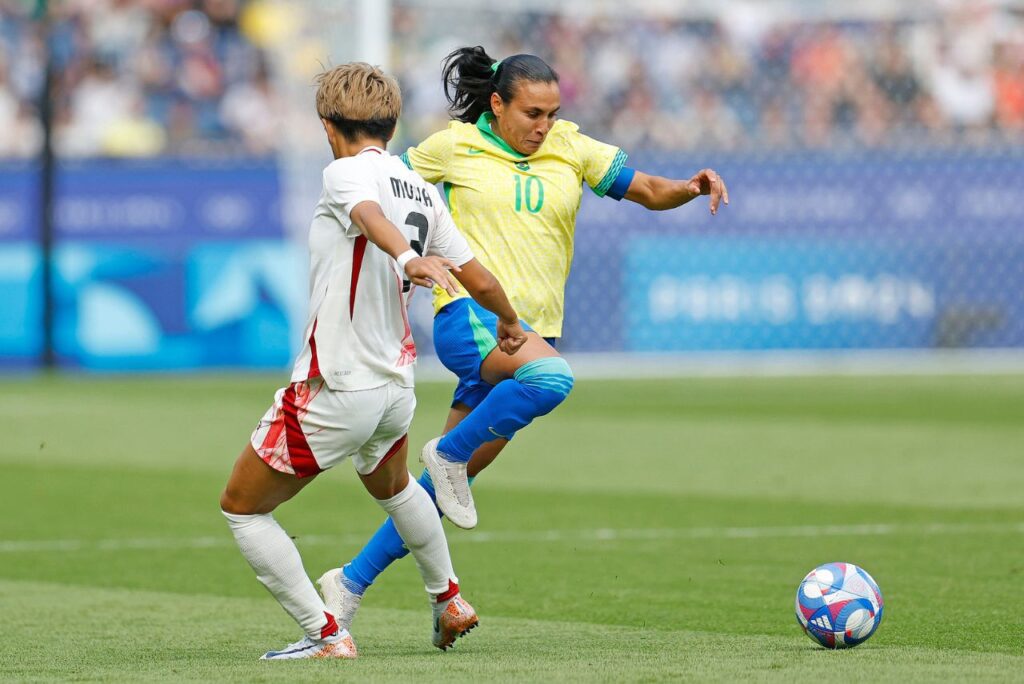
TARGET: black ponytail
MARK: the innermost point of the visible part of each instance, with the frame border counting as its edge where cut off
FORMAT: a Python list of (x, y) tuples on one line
[(469, 79)]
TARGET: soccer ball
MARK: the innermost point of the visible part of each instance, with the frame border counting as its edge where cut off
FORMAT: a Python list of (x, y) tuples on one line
[(839, 605)]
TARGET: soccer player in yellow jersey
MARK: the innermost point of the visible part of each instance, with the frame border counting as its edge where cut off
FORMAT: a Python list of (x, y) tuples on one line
[(513, 176)]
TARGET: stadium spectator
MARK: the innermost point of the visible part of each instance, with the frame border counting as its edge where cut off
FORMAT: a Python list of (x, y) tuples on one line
[(259, 134), (1008, 77), (20, 131), (99, 102)]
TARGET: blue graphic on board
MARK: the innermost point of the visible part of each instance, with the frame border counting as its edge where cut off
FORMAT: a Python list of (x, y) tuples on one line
[(691, 293), (21, 337), (222, 305), (158, 265)]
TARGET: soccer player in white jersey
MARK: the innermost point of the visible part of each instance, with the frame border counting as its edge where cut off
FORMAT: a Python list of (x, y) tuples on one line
[(378, 229)]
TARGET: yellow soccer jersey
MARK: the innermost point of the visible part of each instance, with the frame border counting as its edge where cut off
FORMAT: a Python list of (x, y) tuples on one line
[(518, 212)]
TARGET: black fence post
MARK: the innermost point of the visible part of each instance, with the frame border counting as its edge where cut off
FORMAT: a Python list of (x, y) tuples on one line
[(46, 183)]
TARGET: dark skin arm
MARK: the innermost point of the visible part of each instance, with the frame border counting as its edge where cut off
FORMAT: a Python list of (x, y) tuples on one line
[(485, 288), (655, 192)]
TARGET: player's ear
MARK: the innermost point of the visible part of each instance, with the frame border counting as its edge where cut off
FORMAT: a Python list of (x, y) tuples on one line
[(330, 130), (497, 104)]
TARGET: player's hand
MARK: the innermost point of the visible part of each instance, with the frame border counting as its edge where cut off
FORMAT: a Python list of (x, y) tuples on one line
[(511, 337), (707, 182), (433, 270)]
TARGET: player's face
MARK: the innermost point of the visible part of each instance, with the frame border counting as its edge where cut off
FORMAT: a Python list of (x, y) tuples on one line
[(524, 121)]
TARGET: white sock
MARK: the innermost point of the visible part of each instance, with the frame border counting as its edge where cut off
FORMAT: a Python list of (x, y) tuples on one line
[(416, 520), (272, 554)]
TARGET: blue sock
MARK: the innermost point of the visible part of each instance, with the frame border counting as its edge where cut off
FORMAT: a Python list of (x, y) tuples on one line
[(535, 390), (383, 549)]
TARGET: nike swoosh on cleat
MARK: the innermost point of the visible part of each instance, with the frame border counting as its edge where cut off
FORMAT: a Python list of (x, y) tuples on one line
[(294, 650)]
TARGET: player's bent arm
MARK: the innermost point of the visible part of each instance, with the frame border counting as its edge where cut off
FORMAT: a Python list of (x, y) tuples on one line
[(371, 221), (485, 289), (657, 193), (369, 218)]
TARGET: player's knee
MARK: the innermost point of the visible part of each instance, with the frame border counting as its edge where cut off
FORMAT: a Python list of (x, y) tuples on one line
[(228, 503), (235, 505), (550, 379)]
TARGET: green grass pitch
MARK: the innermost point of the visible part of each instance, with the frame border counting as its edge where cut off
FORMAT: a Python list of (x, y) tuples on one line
[(645, 531)]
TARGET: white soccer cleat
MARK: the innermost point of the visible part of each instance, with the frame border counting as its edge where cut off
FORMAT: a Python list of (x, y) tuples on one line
[(338, 645), (341, 602), (452, 619), (451, 486)]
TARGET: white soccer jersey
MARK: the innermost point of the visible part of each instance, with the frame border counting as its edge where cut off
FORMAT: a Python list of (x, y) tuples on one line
[(358, 334)]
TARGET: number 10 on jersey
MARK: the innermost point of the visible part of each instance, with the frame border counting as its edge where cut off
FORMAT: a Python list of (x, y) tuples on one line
[(529, 193)]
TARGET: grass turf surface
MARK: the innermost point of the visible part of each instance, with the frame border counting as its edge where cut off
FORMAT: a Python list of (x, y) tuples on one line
[(646, 530)]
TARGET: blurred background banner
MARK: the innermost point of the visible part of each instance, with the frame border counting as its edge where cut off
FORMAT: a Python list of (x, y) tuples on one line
[(873, 251), (158, 265), (874, 153)]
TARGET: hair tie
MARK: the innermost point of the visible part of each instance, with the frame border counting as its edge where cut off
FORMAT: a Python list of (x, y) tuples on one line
[(494, 67)]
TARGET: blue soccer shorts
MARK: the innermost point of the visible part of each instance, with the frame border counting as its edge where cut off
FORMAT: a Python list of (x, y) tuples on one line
[(464, 334)]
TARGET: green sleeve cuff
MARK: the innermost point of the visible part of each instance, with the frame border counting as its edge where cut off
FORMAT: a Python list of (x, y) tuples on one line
[(613, 172)]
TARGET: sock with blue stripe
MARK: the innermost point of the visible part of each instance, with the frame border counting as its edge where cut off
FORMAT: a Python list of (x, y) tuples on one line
[(535, 390), (383, 549)]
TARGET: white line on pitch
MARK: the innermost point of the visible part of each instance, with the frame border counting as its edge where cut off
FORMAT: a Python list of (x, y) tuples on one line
[(540, 536)]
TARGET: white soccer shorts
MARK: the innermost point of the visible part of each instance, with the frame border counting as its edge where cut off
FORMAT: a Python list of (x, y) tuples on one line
[(311, 428)]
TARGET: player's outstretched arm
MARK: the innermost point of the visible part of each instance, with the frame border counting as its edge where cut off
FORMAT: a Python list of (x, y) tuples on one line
[(655, 192), (485, 288), (424, 271)]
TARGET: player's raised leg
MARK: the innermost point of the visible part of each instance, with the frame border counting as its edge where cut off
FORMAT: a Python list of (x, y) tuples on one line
[(528, 385), (253, 491), (416, 520)]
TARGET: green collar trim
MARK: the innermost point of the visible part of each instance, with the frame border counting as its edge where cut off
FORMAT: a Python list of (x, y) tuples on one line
[(484, 125)]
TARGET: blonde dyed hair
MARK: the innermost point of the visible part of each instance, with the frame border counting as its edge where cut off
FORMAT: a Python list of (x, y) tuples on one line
[(358, 92)]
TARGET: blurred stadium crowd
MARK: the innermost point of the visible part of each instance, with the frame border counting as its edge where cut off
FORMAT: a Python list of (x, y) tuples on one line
[(136, 78), (149, 77)]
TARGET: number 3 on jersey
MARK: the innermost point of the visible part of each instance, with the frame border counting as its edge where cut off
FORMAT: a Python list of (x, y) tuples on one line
[(418, 221), (529, 193)]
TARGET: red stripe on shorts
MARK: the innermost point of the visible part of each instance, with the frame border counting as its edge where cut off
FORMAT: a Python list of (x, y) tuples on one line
[(314, 363), (270, 439), (357, 266), (391, 452), (299, 453)]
